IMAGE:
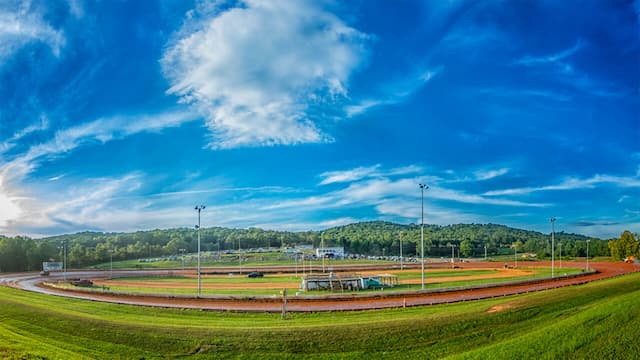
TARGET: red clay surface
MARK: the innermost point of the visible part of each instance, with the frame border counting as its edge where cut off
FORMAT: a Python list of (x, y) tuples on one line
[(329, 303)]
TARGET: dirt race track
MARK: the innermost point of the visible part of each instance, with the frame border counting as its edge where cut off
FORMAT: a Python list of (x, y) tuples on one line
[(307, 303)]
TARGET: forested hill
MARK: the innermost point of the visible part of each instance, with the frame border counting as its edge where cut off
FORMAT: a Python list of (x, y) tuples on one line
[(373, 238)]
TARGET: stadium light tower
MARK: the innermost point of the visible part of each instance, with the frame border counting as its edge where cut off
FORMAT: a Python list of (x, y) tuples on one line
[(588, 254), (401, 264), (422, 188), (182, 252), (322, 251), (111, 251), (553, 246), (64, 259), (199, 209)]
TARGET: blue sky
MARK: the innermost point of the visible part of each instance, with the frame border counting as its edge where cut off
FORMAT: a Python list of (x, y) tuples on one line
[(298, 115)]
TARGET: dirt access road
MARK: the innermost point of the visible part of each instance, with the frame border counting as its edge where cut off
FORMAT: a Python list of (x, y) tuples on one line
[(306, 303)]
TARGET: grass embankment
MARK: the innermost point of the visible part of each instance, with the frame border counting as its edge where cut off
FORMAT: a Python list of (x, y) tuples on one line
[(597, 320)]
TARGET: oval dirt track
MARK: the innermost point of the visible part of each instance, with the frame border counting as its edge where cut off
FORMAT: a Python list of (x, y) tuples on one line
[(379, 300)]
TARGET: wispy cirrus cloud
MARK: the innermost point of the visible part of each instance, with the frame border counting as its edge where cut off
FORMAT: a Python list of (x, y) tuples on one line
[(15, 197), (554, 58), (359, 173), (21, 25), (77, 206), (395, 92), (255, 70), (572, 184), (526, 93), (101, 131), (361, 188), (41, 125), (490, 174)]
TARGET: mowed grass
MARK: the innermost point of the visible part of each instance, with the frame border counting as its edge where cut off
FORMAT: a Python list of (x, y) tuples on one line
[(598, 321), (247, 263), (277, 282)]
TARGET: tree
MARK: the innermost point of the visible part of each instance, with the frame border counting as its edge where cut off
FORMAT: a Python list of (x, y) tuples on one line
[(465, 248), (627, 245)]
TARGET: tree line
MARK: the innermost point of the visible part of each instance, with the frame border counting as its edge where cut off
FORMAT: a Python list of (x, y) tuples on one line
[(367, 238)]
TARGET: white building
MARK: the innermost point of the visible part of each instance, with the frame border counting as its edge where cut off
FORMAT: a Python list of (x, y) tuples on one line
[(333, 252)]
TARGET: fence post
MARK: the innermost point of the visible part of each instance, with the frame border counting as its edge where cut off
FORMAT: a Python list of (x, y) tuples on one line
[(284, 303)]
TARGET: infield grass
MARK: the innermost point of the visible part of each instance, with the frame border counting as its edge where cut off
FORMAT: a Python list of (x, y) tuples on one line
[(273, 284)]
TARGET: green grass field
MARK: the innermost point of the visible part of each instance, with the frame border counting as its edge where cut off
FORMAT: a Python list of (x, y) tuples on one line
[(251, 260), (118, 284), (598, 321)]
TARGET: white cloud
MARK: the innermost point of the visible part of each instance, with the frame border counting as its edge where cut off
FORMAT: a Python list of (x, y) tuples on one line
[(363, 106), (255, 70), (490, 174), (16, 200), (19, 26), (79, 206), (9, 208), (526, 93), (101, 130), (395, 92), (554, 58), (42, 125), (572, 184), (367, 191), (331, 177), (359, 173)]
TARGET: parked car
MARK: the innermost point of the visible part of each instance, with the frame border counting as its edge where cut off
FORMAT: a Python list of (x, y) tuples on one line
[(82, 282), (255, 274)]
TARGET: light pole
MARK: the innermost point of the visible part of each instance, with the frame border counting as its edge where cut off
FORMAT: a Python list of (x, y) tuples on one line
[(111, 267), (560, 256), (239, 256), (515, 256), (182, 251), (322, 249), (401, 251), (588, 254), (64, 259), (422, 188), (553, 245), (452, 255), (199, 209), (485, 253)]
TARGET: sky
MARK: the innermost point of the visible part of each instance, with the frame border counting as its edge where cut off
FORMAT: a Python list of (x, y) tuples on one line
[(303, 115)]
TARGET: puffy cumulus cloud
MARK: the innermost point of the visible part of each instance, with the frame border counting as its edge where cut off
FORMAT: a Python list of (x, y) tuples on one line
[(20, 25), (255, 70)]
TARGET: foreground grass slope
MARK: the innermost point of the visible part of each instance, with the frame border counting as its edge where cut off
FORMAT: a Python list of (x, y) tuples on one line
[(598, 320)]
